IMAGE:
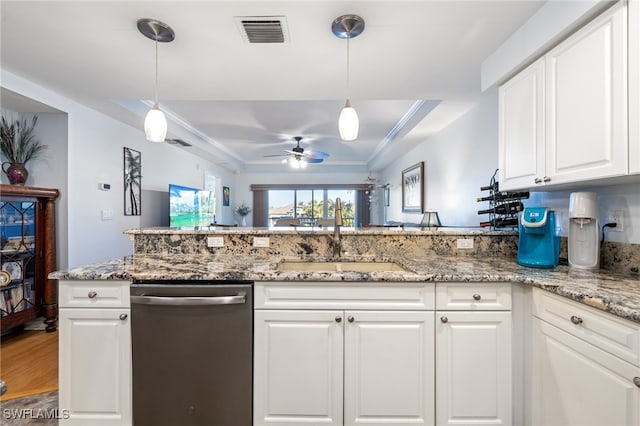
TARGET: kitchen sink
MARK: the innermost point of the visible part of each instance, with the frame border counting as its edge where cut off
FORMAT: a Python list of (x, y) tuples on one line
[(340, 266)]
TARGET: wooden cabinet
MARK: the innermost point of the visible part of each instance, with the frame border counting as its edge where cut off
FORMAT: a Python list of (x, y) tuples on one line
[(27, 255), (343, 366), (581, 370), (585, 110), (95, 353), (634, 86), (473, 354)]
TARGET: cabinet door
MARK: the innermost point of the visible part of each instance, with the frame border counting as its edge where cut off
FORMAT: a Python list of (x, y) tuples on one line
[(574, 383), (586, 102), (389, 358), (95, 367), (634, 86), (473, 368), (298, 369), (521, 118)]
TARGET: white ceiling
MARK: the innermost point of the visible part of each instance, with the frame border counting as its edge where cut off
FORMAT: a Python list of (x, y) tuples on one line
[(414, 69)]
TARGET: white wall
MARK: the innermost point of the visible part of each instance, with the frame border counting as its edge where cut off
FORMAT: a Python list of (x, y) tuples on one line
[(458, 161), (244, 180), (94, 154)]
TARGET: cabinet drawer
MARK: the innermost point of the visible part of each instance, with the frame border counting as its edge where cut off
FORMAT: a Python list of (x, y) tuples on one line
[(328, 295), (84, 294), (609, 333), (473, 296)]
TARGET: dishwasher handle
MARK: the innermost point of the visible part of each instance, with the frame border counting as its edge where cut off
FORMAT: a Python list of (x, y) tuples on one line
[(189, 301)]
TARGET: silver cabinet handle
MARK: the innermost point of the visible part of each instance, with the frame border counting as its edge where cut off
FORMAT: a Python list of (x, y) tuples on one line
[(636, 381), (350, 318), (576, 320), (546, 179), (189, 301), (338, 319), (444, 319), (124, 316), (92, 294), (477, 297), (537, 180)]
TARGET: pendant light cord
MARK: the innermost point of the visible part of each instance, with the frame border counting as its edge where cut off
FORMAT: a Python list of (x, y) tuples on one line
[(348, 67), (156, 88)]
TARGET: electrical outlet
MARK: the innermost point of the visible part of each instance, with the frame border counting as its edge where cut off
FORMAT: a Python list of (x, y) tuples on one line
[(215, 241), (261, 241), (464, 243), (616, 216)]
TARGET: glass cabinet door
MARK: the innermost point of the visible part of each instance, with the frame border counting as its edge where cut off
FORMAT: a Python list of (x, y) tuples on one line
[(17, 255)]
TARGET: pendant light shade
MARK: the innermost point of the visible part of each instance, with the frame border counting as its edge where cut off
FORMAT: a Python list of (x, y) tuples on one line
[(348, 27), (155, 123), (348, 123)]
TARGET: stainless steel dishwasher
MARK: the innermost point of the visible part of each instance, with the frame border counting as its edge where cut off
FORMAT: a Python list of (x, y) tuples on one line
[(192, 348)]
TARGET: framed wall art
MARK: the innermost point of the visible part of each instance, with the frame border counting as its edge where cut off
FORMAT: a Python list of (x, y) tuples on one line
[(132, 182), (226, 194), (413, 188)]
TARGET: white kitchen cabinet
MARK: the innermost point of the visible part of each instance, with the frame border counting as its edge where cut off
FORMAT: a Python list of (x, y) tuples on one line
[(634, 86), (585, 110), (576, 379), (298, 359), (473, 354), (388, 377), (521, 135), (94, 353), (343, 366)]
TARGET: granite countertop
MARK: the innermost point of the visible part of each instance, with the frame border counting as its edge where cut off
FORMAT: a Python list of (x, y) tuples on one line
[(614, 293)]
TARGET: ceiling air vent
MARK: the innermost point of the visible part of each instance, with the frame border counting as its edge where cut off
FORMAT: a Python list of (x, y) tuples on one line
[(263, 29)]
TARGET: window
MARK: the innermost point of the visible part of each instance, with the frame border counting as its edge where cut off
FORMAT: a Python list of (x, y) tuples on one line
[(309, 205)]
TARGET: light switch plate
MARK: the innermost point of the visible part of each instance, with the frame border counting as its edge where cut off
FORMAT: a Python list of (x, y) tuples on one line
[(106, 214), (464, 243), (215, 241), (261, 241)]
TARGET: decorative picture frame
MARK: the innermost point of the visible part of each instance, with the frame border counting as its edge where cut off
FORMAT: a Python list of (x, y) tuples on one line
[(413, 189), (132, 182), (226, 195)]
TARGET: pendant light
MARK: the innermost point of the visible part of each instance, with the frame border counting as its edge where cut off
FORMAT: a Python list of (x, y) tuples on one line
[(348, 27), (155, 123)]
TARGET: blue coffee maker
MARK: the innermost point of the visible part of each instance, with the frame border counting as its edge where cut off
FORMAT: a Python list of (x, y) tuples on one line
[(538, 242)]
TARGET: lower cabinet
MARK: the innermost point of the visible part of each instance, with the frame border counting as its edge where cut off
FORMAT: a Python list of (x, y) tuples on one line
[(343, 367), (473, 368), (94, 355), (348, 355), (576, 380), (473, 354)]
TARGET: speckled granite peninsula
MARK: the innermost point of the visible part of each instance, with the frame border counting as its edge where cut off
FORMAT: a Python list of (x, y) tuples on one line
[(164, 254)]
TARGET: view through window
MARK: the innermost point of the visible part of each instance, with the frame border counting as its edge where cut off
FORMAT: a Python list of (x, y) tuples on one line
[(309, 205)]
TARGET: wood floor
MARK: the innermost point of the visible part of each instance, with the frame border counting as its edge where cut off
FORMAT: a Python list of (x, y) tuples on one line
[(29, 363)]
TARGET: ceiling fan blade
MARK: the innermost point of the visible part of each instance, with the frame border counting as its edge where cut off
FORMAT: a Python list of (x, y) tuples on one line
[(277, 155), (313, 160), (316, 154)]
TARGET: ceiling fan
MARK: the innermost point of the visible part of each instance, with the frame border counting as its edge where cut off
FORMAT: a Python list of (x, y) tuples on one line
[(299, 157)]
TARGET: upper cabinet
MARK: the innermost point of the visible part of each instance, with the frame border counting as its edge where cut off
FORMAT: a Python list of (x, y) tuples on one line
[(634, 87), (564, 118)]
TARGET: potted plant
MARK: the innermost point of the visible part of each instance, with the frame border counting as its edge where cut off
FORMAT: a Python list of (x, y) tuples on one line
[(243, 210), (18, 145)]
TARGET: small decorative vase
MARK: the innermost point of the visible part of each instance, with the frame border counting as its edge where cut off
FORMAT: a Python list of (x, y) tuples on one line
[(16, 173), (243, 222)]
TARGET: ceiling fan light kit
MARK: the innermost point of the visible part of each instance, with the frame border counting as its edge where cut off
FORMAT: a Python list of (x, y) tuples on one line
[(299, 157), (155, 123), (348, 27)]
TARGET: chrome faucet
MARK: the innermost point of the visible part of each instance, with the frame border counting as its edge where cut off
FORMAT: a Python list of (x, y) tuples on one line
[(337, 238)]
